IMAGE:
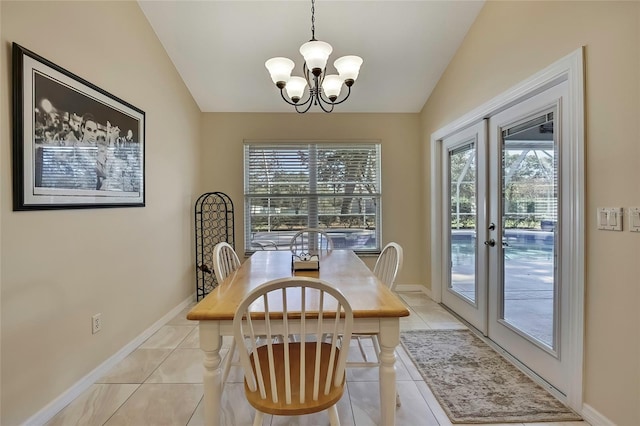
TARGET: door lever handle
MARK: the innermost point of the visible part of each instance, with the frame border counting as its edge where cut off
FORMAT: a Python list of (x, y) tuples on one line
[(490, 243)]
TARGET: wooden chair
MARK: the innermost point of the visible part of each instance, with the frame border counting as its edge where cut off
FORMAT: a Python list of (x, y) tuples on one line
[(226, 261), (286, 377), (386, 269), (265, 245), (389, 264), (312, 241)]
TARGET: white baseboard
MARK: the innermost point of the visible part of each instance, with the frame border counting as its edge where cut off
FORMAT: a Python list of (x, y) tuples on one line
[(64, 399), (593, 417), (413, 287), (410, 287)]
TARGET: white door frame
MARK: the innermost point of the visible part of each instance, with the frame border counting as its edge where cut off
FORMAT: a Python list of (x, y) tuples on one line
[(569, 68)]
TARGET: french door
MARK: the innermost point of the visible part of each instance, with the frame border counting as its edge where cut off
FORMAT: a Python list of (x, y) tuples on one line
[(503, 219), (464, 217)]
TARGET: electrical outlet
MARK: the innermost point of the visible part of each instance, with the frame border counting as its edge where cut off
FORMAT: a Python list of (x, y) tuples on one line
[(96, 323)]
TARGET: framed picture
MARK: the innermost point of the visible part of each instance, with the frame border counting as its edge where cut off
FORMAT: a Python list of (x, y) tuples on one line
[(74, 144)]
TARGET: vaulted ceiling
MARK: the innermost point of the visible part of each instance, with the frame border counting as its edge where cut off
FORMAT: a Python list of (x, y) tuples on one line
[(219, 47)]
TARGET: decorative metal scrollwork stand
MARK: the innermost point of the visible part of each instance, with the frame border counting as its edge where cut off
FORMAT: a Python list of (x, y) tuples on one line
[(213, 224)]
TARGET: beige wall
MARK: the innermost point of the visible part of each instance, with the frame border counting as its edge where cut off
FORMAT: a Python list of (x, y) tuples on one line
[(134, 265), (224, 134), (2, 108), (509, 42), (131, 264)]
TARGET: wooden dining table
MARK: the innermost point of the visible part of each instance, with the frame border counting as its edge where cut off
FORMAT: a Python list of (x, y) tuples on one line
[(375, 309)]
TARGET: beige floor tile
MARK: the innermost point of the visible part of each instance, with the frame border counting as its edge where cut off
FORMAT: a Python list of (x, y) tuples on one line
[(236, 411), (171, 363), (448, 326), (415, 298), (490, 424), (169, 336), (181, 318), (192, 341), (558, 424), (345, 415), (438, 318), (413, 410), (365, 402), (433, 403), (136, 367), (236, 375), (197, 418), (94, 406), (404, 358), (371, 374), (181, 366), (159, 405), (226, 341), (413, 322), (408, 325)]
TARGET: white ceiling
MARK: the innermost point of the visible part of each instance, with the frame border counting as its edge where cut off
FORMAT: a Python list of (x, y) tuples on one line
[(219, 47)]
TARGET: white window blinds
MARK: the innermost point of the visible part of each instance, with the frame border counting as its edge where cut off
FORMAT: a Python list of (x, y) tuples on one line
[(332, 186)]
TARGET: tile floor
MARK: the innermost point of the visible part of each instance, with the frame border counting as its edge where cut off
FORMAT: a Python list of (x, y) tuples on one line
[(160, 383)]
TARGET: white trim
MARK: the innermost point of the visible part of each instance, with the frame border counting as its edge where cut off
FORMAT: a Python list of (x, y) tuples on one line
[(577, 230), (437, 201), (65, 398), (399, 288), (571, 68), (593, 417)]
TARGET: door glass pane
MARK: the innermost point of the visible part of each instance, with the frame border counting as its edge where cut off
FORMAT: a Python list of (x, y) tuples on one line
[(529, 225), (462, 213)]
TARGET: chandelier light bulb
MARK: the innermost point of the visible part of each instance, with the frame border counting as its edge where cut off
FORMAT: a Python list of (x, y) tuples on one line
[(316, 53), (295, 88), (280, 70), (331, 86), (348, 67)]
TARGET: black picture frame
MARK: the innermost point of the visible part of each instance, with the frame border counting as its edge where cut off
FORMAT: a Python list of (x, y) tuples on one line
[(74, 144)]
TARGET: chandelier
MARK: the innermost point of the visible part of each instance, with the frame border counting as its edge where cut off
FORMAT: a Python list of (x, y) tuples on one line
[(324, 89)]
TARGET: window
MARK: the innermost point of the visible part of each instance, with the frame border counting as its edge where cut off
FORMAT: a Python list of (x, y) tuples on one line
[(335, 187)]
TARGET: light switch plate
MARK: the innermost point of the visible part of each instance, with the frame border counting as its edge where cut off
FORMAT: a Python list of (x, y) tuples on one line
[(609, 218), (634, 219)]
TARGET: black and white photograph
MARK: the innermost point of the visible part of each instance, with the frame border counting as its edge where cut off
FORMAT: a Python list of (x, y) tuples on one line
[(75, 145)]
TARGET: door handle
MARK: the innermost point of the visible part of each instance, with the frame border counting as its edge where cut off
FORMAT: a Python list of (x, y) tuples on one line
[(490, 243)]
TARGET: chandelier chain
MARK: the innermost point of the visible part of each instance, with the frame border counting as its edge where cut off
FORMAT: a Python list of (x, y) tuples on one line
[(313, 21)]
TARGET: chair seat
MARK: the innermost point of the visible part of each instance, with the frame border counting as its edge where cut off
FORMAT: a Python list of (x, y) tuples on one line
[(296, 407)]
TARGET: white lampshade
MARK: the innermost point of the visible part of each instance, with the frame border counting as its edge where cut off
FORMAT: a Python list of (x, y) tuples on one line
[(331, 85), (295, 88), (348, 67), (316, 54), (280, 69)]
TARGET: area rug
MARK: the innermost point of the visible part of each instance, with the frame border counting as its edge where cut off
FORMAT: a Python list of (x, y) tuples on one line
[(475, 384)]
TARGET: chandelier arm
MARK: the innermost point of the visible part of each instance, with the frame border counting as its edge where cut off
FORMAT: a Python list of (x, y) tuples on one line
[(322, 102), (308, 103), (326, 101), (345, 98), (285, 98), (293, 103)]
